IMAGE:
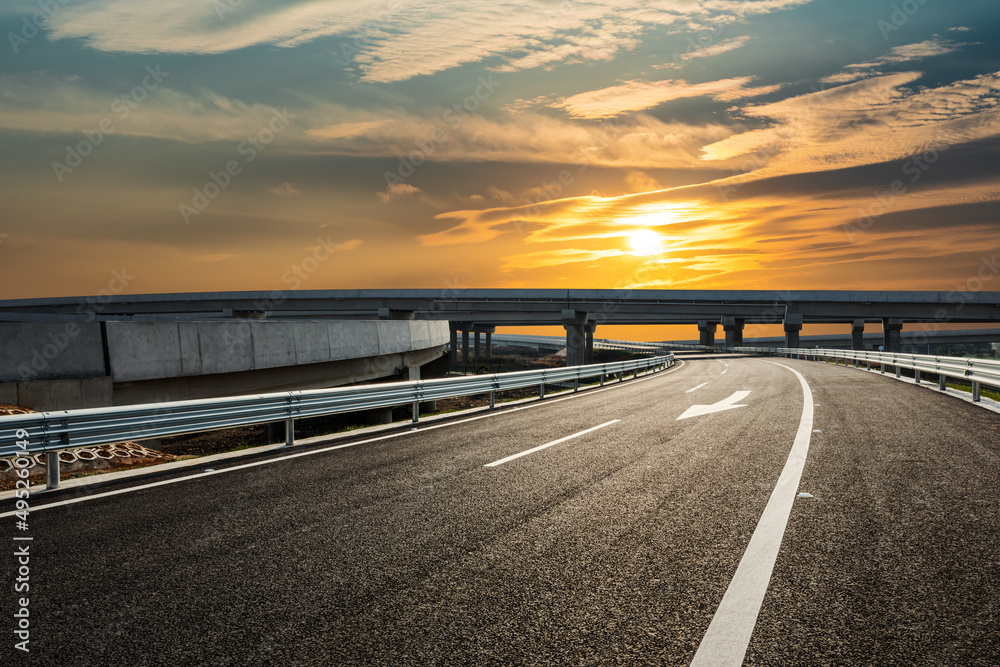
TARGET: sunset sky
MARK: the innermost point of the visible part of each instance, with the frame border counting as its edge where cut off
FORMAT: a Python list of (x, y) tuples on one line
[(251, 144)]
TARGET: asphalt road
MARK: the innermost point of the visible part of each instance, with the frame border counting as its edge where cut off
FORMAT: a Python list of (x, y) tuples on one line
[(612, 547)]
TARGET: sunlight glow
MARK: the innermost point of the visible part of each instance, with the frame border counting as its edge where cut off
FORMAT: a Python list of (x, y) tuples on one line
[(645, 242)]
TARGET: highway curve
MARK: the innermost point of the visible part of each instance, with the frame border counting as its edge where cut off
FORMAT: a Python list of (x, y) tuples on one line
[(614, 545)]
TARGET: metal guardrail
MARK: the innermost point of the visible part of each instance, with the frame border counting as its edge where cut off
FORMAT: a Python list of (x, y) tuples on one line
[(51, 432), (977, 372)]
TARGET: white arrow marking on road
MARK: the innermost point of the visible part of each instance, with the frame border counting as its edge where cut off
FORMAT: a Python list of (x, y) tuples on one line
[(724, 404)]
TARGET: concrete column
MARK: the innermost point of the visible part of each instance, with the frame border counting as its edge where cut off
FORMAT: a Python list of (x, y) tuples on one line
[(589, 328), (489, 344), (576, 337), (378, 416), (707, 332), (858, 335), (793, 325), (477, 353), (453, 347), (891, 331), (465, 345), (733, 327)]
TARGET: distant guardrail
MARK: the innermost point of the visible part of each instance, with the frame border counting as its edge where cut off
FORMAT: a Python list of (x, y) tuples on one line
[(51, 432), (977, 372)]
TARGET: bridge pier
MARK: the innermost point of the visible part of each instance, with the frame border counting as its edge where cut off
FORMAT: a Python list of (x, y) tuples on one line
[(793, 325), (465, 345), (706, 332), (733, 327), (892, 333), (453, 328), (858, 335), (576, 338), (488, 330), (588, 356)]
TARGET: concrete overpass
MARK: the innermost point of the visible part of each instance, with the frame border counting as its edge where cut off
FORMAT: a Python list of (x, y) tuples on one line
[(579, 311)]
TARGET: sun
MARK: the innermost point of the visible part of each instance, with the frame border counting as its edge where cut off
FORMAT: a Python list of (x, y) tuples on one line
[(645, 242)]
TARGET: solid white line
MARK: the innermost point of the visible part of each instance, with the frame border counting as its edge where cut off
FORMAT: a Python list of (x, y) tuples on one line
[(693, 388), (548, 444), (725, 643), (323, 450)]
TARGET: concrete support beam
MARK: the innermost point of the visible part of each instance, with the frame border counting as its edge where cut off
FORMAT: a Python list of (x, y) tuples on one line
[(858, 335), (892, 333), (589, 329), (706, 332), (476, 352), (733, 327), (793, 325), (576, 337)]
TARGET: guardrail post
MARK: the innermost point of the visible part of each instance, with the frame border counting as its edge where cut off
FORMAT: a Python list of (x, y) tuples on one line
[(602, 379), (576, 384), (942, 382), (492, 399), (916, 376), (289, 432), (898, 372), (416, 411), (51, 470), (541, 390), (975, 392)]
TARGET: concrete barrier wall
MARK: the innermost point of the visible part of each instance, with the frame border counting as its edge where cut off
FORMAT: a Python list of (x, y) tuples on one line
[(50, 350), (153, 350)]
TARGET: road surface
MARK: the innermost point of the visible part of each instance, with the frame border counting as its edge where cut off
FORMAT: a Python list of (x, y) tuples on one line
[(603, 528)]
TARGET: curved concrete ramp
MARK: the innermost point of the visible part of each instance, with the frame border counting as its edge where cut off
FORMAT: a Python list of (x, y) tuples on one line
[(118, 363)]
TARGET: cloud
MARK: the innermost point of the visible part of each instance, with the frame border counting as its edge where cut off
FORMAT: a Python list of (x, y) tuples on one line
[(285, 190), (397, 41), (636, 95), (865, 122), (397, 191), (347, 130), (640, 181), (716, 49), (44, 102), (899, 54), (641, 142)]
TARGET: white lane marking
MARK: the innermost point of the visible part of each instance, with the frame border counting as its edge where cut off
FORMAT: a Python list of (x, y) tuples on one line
[(548, 444), (693, 388), (719, 406), (729, 633), (323, 450), (724, 371)]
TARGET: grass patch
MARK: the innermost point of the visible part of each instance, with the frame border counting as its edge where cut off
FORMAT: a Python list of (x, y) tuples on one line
[(988, 393)]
